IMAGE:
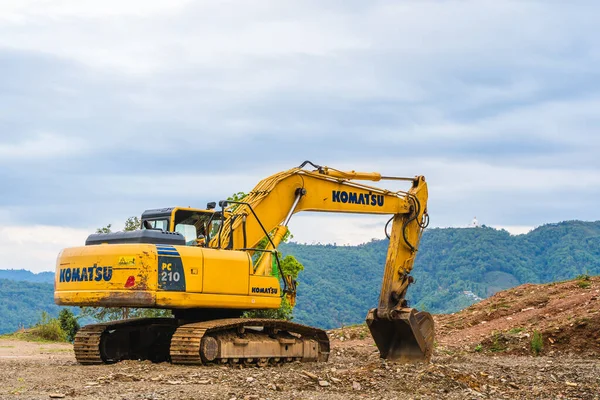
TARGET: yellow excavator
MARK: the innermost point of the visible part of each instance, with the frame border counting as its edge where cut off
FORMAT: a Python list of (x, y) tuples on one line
[(208, 266)]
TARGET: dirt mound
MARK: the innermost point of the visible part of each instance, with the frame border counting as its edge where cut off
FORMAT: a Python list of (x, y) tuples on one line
[(546, 319)]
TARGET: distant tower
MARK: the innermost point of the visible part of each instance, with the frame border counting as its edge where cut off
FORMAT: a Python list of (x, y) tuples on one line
[(475, 223)]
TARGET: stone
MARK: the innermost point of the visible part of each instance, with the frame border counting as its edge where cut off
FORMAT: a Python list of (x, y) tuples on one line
[(310, 375)]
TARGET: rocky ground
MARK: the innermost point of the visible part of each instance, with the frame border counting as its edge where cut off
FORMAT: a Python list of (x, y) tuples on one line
[(484, 351)]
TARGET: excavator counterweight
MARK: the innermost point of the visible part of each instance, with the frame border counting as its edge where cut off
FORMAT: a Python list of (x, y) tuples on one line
[(210, 265)]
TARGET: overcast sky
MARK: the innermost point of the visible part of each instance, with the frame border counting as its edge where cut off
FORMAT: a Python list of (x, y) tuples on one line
[(111, 107)]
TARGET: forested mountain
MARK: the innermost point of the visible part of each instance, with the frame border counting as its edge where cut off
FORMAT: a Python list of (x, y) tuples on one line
[(27, 276), (454, 267), (22, 303)]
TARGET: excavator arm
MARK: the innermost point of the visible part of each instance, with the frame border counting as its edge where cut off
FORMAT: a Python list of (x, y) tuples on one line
[(401, 333)]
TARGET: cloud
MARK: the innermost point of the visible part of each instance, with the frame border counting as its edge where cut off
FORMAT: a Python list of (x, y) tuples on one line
[(35, 248), (42, 146), (315, 228), (108, 109)]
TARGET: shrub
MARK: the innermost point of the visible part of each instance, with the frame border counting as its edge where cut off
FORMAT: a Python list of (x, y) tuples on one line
[(498, 342), (537, 343), (68, 323), (583, 281), (48, 329), (583, 277)]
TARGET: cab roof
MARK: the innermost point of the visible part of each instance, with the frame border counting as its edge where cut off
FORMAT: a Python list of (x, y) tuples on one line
[(166, 212)]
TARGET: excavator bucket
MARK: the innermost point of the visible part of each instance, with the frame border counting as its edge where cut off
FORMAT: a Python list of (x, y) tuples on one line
[(403, 335)]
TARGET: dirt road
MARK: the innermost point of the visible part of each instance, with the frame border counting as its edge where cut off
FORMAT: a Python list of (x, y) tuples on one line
[(37, 371)]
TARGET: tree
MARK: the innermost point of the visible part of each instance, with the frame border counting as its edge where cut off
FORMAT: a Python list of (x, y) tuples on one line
[(239, 196), (291, 266), (104, 229), (132, 224)]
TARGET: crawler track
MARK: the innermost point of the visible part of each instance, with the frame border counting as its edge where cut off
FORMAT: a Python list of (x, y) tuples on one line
[(143, 338), (87, 344), (235, 340), (192, 343)]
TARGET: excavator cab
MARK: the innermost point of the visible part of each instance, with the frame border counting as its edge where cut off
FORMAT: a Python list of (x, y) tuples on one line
[(196, 225)]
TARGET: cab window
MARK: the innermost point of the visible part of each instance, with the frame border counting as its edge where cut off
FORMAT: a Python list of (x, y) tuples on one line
[(213, 228), (158, 224), (193, 224), (189, 231)]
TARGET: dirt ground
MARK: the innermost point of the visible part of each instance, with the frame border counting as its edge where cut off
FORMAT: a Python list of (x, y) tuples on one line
[(482, 352), (566, 314)]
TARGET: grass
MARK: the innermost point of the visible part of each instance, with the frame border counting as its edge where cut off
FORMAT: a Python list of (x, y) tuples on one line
[(27, 336), (584, 284), (583, 281), (18, 390), (514, 331)]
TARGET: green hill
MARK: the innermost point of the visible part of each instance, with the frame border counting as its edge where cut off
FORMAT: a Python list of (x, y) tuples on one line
[(27, 276), (454, 268), (22, 303)]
